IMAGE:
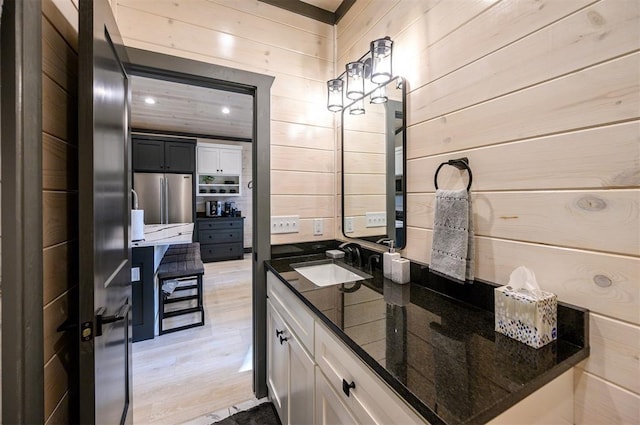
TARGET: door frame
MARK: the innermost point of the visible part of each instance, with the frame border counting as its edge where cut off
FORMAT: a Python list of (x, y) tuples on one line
[(158, 65), (22, 309)]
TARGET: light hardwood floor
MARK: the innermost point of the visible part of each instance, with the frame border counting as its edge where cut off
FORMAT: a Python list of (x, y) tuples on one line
[(187, 375)]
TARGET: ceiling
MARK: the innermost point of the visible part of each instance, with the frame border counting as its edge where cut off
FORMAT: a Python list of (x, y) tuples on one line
[(188, 109), (327, 11), (329, 5)]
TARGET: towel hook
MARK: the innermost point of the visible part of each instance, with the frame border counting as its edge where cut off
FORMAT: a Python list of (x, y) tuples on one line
[(460, 164)]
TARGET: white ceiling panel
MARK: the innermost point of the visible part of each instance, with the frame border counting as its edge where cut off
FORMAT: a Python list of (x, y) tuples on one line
[(190, 109)]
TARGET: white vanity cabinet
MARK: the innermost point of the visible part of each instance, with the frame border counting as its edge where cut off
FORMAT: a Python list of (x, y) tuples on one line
[(290, 371), (277, 363), (369, 400), (330, 410), (315, 378)]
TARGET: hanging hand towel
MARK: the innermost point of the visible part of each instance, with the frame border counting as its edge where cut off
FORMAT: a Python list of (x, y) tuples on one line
[(452, 248)]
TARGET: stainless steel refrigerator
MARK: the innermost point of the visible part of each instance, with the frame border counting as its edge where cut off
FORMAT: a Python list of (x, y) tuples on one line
[(165, 198)]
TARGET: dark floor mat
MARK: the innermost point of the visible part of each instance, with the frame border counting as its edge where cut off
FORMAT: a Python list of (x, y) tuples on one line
[(263, 414)]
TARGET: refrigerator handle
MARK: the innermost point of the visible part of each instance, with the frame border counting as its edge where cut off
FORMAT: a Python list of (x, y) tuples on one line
[(166, 200), (161, 200)]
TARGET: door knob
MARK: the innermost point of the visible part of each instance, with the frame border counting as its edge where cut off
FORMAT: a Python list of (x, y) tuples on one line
[(101, 319)]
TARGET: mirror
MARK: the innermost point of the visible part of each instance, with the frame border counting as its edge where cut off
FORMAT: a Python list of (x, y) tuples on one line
[(373, 167)]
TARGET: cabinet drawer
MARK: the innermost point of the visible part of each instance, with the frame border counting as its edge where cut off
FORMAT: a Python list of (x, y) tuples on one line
[(220, 223), (220, 236), (293, 311), (223, 251), (371, 400), (330, 409)]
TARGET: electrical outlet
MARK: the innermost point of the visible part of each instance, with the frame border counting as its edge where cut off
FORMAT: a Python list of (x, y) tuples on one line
[(348, 224), (376, 219), (285, 224), (135, 274), (317, 227)]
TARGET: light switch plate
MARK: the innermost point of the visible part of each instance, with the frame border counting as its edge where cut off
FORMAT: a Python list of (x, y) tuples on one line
[(318, 227), (348, 224), (376, 219), (285, 224)]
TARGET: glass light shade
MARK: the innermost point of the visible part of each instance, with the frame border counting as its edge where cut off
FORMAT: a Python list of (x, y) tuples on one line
[(334, 95), (381, 55), (379, 95), (357, 108), (355, 80)]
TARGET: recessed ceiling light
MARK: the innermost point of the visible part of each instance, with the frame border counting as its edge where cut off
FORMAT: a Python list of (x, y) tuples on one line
[(225, 110), (149, 101)]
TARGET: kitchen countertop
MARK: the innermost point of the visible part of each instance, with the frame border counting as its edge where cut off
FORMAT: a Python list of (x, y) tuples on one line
[(165, 234), (440, 354)]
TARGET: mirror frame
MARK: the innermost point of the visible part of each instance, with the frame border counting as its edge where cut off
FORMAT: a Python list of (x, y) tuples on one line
[(402, 84)]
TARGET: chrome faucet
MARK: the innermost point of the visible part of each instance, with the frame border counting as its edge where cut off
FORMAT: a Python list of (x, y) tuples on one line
[(352, 250)]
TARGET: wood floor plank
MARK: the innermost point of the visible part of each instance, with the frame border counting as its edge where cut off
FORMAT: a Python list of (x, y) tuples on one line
[(186, 375)]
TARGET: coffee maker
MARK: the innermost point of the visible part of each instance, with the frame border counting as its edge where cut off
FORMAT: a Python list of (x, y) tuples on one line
[(211, 208)]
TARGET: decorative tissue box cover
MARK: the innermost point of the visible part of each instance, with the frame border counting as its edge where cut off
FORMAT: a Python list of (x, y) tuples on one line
[(522, 316)]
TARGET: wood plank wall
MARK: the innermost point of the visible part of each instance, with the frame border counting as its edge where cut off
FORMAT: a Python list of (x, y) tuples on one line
[(60, 195), (543, 97), (258, 37)]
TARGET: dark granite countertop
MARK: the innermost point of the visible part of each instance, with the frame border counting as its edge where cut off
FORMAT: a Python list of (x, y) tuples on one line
[(439, 353)]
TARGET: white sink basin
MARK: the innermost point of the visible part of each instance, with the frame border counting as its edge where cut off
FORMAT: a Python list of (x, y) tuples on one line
[(328, 272)]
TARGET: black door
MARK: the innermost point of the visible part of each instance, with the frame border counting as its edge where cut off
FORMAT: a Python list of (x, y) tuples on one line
[(104, 186)]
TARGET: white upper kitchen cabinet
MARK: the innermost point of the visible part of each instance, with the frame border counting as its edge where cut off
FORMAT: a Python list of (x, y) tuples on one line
[(219, 159)]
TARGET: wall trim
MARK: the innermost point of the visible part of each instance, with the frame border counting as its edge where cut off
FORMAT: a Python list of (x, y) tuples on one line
[(22, 313), (161, 65)]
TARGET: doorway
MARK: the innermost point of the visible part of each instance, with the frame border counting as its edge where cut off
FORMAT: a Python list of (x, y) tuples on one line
[(193, 373)]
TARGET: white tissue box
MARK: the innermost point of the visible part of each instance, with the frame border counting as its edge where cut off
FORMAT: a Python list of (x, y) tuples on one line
[(523, 316)]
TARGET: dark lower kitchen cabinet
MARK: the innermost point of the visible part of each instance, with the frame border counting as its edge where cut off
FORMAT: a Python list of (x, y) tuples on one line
[(142, 293), (221, 238), (162, 154)]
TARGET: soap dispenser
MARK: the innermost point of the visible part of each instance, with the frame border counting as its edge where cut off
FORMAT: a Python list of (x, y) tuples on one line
[(387, 258)]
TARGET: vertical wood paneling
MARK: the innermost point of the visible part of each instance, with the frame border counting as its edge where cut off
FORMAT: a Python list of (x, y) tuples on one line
[(546, 107)]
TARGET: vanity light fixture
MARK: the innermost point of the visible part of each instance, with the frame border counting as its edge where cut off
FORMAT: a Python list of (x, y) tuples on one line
[(379, 95), (355, 80), (366, 75), (381, 51), (357, 108), (334, 98)]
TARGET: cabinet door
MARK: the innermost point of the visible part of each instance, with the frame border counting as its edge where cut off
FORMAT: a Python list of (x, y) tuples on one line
[(148, 155), (330, 410), (301, 388), (230, 162), (208, 160), (277, 363), (370, 399), (179, 157)]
